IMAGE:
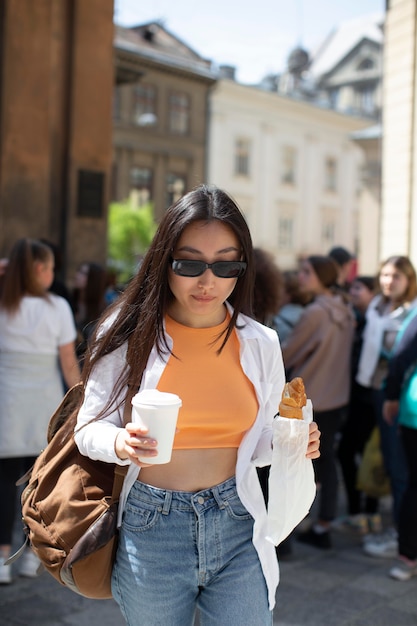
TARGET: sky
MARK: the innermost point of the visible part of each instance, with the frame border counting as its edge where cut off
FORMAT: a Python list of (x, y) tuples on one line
[(255, 37)]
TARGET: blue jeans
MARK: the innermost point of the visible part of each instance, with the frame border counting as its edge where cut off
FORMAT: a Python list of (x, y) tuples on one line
[(393, 455), (180, 550)]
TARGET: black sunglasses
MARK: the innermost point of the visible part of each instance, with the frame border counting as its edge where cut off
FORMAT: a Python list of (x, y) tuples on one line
[(222, 269)]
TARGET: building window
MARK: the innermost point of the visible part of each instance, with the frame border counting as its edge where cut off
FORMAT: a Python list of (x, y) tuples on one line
[(116, 103), (141, 183), (286, 233), (328, 231), (176, 186), (289, 164), (330, 174), (179, 112), (366, 64), (365, 100), (144, 105), (242, 153)]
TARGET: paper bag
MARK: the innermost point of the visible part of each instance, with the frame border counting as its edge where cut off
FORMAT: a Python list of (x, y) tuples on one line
[(291, 486)]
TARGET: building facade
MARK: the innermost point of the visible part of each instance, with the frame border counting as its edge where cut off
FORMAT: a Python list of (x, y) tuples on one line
[(56, 83), (290, 165), (399, 162), (159, 117)]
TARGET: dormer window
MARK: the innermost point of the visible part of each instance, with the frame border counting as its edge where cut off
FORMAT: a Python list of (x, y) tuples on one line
[(366, 64), (149, 33)]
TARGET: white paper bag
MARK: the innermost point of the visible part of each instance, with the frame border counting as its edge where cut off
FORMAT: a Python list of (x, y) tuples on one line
[(291, 486)]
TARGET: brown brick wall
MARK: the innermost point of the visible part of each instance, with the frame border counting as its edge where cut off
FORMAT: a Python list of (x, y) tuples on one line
[(55, 104)]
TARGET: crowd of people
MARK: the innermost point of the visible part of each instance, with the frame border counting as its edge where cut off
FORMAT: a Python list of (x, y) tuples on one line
[(353, 340), (202, 291)]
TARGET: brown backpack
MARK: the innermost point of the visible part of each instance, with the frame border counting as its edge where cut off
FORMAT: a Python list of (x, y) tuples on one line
[(69, 507)]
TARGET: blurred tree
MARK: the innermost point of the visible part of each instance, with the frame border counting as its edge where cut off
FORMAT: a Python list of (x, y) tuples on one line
[(130, 231)]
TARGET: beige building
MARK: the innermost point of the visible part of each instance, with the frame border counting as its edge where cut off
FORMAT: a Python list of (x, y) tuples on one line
[(290, 165), (399, 167)]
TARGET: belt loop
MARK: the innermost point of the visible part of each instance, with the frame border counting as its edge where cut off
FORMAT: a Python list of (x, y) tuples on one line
[(217, 496), (167, 503)]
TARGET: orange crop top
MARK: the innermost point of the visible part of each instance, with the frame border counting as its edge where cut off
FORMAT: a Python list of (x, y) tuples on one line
[(219, 402)]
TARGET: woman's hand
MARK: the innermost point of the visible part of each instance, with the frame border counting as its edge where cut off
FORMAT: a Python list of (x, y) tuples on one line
[(313, 451), (390, 410), (132, 442)]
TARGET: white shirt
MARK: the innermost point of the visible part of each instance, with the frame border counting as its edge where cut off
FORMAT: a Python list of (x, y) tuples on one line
[(39, 326), (261, 360), (30, 378)]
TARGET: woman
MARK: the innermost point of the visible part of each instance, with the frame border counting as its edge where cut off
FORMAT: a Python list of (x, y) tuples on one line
[(193, 530), (37, 334), (362, 509), (385, 316), (318, 350)]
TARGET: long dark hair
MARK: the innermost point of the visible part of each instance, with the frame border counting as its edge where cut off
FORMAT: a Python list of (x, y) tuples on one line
[(268, 286), (139, 312), (20, 276)]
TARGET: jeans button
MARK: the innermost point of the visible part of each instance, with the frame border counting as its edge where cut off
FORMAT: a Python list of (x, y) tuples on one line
[(200, 500)]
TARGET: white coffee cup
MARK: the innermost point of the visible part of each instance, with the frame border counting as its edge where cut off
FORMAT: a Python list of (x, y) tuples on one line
[(158, 411)]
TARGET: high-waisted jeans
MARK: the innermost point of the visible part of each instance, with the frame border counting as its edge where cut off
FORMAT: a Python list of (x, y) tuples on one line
[(181, 550)]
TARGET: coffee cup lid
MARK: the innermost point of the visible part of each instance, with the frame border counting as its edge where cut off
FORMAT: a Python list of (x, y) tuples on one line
[(156, 397)]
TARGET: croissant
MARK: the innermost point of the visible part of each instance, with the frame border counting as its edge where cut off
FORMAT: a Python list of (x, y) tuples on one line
[(293, 399)]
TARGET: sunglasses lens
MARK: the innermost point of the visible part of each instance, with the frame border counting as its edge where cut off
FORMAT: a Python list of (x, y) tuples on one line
[(188, 268), (222, 269), (228, 269)]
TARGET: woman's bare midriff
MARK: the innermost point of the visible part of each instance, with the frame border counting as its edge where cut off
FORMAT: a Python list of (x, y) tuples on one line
[(192, 470)]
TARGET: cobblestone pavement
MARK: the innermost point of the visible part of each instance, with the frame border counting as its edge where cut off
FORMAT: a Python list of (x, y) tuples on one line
[(338, 587)]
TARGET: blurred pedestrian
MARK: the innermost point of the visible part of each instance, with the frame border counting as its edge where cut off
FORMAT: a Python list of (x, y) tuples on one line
[(319, 351), (89, 300), (385, 316), (37, 335), (362, 508), (345, 261)]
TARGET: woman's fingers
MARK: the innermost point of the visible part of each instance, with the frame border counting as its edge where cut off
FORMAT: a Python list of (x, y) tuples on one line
[(313, 448)]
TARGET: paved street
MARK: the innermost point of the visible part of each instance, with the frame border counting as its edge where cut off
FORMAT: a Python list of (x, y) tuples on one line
[(341, 587)]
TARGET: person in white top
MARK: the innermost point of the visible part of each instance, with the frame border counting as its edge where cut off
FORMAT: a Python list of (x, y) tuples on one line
[(37, 355), (386, 317)]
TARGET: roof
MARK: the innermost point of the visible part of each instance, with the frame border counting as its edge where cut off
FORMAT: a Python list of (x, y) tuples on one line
[(343, 39), (155, 43)]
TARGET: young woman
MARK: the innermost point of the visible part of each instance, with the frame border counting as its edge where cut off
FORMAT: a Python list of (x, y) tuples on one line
[(319, 350), (386, 314), (193, 530), (37, 334)]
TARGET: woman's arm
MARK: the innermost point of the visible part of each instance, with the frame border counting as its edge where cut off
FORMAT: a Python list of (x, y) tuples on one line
[(69, 364)]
